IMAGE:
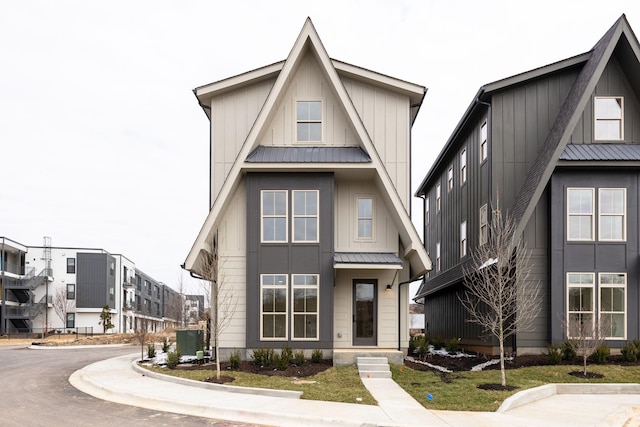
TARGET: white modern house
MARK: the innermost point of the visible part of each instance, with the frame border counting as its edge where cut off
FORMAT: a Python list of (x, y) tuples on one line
[(32, 276), (309, 204)]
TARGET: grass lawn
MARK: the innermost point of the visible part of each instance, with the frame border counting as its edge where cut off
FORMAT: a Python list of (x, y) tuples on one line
[(459, 391), (336, 384)]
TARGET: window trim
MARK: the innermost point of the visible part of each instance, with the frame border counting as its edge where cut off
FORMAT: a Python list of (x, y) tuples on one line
[(438, 198), (450, 179), (484, 141), (285, 216), (294, 216), (463, 239), (286, 304), (626, 304), (71, 295), (70, 317), (592, 214), (596, 119), (593, 295), (438, 260), (483, 230), (316, 313), (463, 167), (296, 121), (372, 218), (426, 210), (71, 265), (623, 214)]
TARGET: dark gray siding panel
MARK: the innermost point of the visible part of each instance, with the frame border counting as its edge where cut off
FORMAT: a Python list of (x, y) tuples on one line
[(92, 280), (290, 258)]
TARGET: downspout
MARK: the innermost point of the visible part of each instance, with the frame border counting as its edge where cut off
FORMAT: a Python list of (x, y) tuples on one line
[(399, 306)]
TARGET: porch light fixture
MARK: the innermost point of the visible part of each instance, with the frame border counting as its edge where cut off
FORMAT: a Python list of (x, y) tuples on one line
[(389, 287)]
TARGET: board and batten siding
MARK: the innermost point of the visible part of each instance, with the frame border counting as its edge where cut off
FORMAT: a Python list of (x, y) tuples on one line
[(613, 82), (385, 233), (521, 119), (385, 115), (232, 116)]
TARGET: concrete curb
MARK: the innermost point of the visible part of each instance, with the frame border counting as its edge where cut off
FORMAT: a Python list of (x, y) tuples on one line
[(72, 347), (534, 394), (289, 394)]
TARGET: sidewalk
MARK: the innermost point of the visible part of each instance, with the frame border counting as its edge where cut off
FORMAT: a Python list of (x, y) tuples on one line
[(116, 380)]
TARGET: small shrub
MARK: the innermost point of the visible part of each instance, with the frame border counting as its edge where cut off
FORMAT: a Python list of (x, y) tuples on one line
[(234, 360), (151, 351), (173, 358), (629, 352), (165, 346), (298, 357), (286, 353), (420, 346), (316, 356), (453, 346), (568, 352), (263, 356), (280, 362), (437, 343), (601, 354), (554, 351)]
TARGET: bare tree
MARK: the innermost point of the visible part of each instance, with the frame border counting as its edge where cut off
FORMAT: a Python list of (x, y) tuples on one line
[(223, 301), (141, 332), (500, 294), (62, 304), (586, 334)]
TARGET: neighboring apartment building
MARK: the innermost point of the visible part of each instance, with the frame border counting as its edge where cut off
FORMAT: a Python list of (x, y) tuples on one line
[(89, 279), (193, 309), (310, 194), (558, 148)]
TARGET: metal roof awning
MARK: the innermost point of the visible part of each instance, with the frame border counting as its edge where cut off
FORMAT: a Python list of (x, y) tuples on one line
[(264, 154), (366, 260), (585, 152)]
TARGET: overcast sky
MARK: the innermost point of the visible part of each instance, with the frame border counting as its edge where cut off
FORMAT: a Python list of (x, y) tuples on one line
[(103, 144)]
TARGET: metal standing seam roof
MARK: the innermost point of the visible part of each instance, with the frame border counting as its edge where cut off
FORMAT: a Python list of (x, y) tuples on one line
[(601, 152), (264, 154), (365, 258)]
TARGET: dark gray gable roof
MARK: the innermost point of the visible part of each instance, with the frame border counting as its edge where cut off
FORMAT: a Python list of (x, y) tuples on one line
[(366, 258), (566, 120), (585, 152), (263, 154)]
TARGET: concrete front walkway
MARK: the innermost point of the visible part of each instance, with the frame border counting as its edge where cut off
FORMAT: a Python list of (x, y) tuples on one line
[(117, 381)]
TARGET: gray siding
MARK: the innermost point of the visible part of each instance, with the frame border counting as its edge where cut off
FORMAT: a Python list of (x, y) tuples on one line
[(290, 258), (95, 280), (594, 256)]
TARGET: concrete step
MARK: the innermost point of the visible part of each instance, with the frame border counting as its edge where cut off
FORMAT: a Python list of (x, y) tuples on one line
[(373, 367)]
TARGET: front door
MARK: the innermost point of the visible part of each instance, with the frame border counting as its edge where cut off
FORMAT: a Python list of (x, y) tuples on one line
[(365, 312)]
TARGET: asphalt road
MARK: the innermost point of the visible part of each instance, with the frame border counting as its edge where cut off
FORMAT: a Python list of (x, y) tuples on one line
[(35, 391)]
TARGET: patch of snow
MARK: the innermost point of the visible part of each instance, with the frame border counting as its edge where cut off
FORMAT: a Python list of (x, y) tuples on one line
[(481, 366), (436, 367)]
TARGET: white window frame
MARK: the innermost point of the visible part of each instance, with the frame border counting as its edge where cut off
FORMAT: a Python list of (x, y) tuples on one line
[(426, 210), (568, 287), (483, 142), (623, 214), (365, 218), (308, 121), (450, 179), (483, 234), (580, 214), (622, 286), (316, 313), (284, 286), (463, 167), (463, 239), (285, 216), (438, 262), (599, 117), (438, 198), (305, 216)]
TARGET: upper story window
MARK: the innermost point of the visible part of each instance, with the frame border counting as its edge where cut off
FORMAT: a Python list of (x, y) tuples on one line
[(71, 265), (612, 212), (438, 198), (438, 256), (274, 216), (463, 166), (484, 227), (308, 121), (463, 239), (426, 210), (71, 291), (450, 178), (483, 142), (305, 216), (365, 218), (608, 113), (580, 224)]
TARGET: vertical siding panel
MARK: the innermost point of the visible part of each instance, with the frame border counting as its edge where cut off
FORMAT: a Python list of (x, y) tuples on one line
[(531, 117), (380, 124), (508, 131), (520, 128)]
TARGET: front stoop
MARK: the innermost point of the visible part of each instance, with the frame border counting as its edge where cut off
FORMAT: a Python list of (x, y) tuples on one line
[(373, 367)]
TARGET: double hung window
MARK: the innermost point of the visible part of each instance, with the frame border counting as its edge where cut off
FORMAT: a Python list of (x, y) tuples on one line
[(608, 113), (305, 216), (580, 211), (365, 218), (463, 239), (611, 211), (274, 216), (309, 121), (463, 166), (305, 306), (274, 290), (483, 142)]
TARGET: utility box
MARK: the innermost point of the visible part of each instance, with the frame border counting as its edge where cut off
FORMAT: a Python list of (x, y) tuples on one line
[(189, 341)]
